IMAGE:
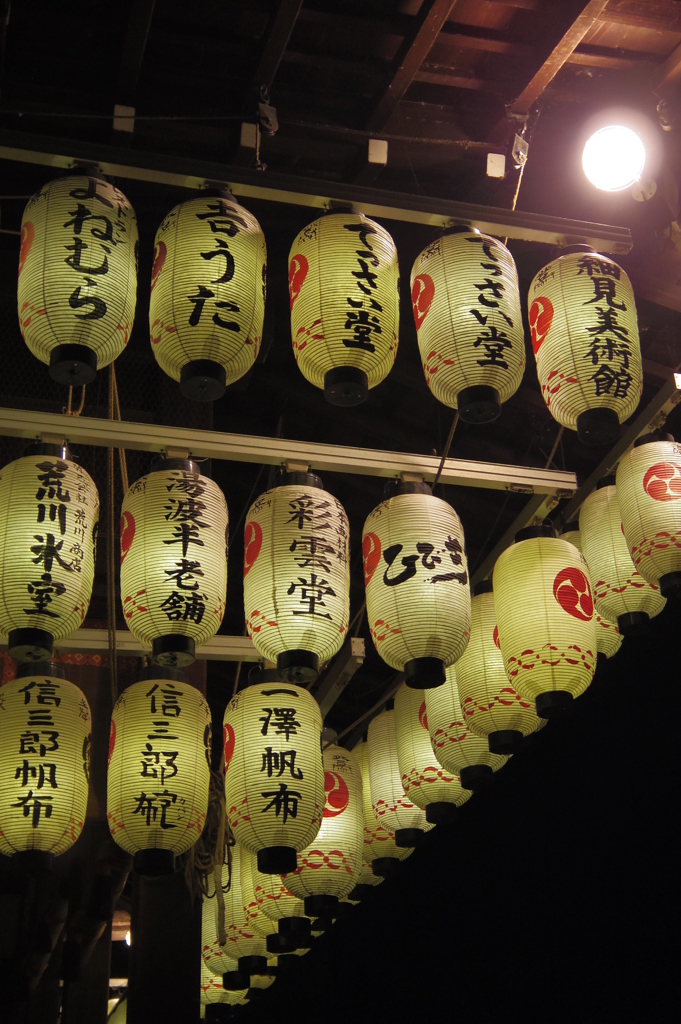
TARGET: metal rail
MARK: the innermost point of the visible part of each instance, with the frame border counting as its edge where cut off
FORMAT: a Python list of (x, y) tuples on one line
[(96, 641)]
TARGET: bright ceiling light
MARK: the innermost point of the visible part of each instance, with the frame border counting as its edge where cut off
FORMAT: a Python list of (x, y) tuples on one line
[(613, 158)]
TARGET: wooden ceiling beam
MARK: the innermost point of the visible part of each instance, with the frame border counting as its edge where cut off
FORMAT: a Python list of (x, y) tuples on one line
[(655, 15), (130, 67), (668, 75), (612, 61), (277, 41)]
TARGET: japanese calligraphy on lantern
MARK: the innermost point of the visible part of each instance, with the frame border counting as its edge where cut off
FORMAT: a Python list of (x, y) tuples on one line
[(45, 728)]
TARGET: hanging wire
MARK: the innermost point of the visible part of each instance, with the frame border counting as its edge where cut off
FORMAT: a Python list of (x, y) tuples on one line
[(110, 560), (448, 444), (555, 446), (123, 462)]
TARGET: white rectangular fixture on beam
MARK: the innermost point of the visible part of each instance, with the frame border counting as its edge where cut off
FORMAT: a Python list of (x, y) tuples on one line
[(269, 451), (96, 641)]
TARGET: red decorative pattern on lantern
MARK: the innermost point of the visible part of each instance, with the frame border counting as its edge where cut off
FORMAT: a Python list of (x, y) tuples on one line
[(315, 859), (127, 529), (112, 740), (252, 544), (371, 555), (336, 793), (228, 740), (662, 481), (660, 542), (433, 773), (433, 363), (572, 592), (381, 630), (495, 636), (160, 253), (423, 717), (422, 293), (27, 236), (541, 318), (252, 623), (305, 334), (297, 272), (131, 604), (507, 698), (554, 383), (552, 656)]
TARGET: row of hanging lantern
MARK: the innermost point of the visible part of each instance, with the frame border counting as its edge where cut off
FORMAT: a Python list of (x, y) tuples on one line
[(207, 306)]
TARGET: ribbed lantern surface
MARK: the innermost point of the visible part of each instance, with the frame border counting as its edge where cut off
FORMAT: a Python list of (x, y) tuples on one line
[(343, 281), (257, 920), (585, 340), (159, 770), (242, 938), (649, 497), (173, 560), (49, 517), (45, 727), (620, 592), (297, 576), (213, 992), (332, 863), (77, 276), (424, 780), (381, 852), (545, 621), (464, 292), (416, 578), (207, 294), (491, 707), (274, 776), (392, 808), (214, 955), (608, 637), (274, 899), (458, 749)]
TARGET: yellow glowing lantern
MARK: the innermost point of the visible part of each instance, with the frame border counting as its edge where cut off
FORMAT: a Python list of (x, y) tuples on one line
[(392, 809), (608, 637), (274, 776), (491, 707), (381, 852), (585, 339), (297, 576), (255, 918), (212, 990), (173, 560), (424, 780), (458, 749), (545, 619), (45, 728), (77, 276), (243, 943), (214, 955), (620, 592), (648, 493), (207, 294), (49, 517), (343, 281), (159, 770), (329, 868), (367, 882), (464, 292), (284, 910)]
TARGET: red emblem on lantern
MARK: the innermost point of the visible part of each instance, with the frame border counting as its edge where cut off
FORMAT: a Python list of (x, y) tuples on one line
[(112, 740), (572, 592), (228, 741), (422, 292), (495, 636), (297, 272), (337, 794), (160, 253), (27, 236), (127, 533), (541, 318), (252, 544), (663, 481), (371, 554), (423, 717)]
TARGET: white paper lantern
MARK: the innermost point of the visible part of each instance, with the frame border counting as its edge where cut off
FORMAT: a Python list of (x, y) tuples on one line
[(159, 770), (207, 301), (285, 911), (173, 560), (213, 953), (648, 493), (77, 276), (45, 728), (381, 851), (491, 707), (608, 637), (329, 868), (424, 780), (416, 578), (243, 943), (255, 918), (344, 289), (297, 576), (212, 990), (620, 592), (49, 518), (585, 339), (464, 292), (274, 776), (392, 808), (366, 884)]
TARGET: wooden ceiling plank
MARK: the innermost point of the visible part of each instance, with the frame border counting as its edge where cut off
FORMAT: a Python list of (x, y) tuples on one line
[(656, 15), (130, 67), (277, 41), (612, 61), (668, 75)]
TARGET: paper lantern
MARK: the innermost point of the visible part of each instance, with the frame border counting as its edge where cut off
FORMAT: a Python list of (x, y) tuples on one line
[(255, 918), (464, 292), (49, 518), (381, 851), (213, 954), (274, 776), (45, 728), (367, 881), (416, 577), (207, 294), (284, 910), (491, 707), (620, 592), (545, 619), (77, 276), (392, 809), (585, 340), (424, 780), (343, 280), (329, 868), (243, 942), (212, 990), (159, 770), (458, 749), (297, 576), (173, 560), (608, 637), (648, 493)]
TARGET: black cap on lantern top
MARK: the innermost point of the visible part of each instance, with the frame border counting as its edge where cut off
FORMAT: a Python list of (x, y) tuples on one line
[(633, 623), (598, 426), (424, 673), (544, 529), (162, 464), (440, 813), (253, 965), (30, 644), (299, 479), (277, 860), (505, 741), (40, 668), (476, 776), (176, 675), (408, 838), (670, 585), (154, 862), (346, 386), (235, 981), (479, 403), (298, 666), (385, 867), (173, 650), (203, 380), (553, 703), (397, 486), (73, 365)]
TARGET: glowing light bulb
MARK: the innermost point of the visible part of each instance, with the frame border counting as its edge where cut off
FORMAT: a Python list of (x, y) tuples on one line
[(127, 938), (613, 158)]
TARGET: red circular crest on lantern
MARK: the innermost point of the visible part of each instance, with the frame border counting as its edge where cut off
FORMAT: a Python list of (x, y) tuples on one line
[(297, 272), (127, 529), (252, 544), (228, 740), (423, 717), (495, 636), (663, 481), (371, 555), (160, 253), (541, 318), (27, 236), (112, 740), (422, 292), (337, 794), (572, 592)]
